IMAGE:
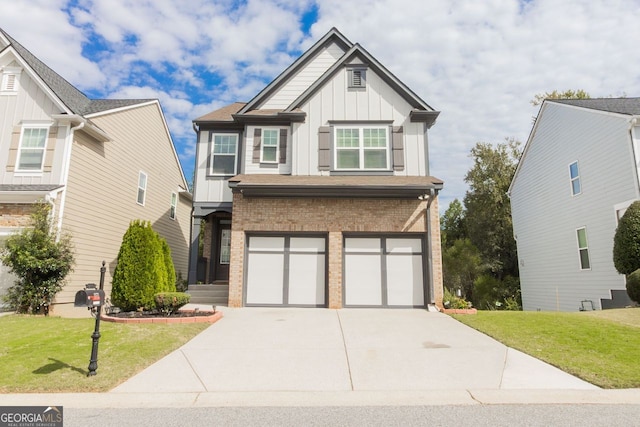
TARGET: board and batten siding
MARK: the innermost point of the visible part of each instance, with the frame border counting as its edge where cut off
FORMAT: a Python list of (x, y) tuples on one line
[(546, 215), (378, 102), (251, 167), (29, 104), (102, 190), (207, 187), (304, 78)]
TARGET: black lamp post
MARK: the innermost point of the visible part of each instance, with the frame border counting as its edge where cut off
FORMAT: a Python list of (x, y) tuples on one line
[(93, 362)]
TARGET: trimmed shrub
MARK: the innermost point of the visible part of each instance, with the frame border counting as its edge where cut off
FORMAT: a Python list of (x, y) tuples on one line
[(170, 302), (141, 271), (633, 286), (626, 241), (170, 285), (39, 261)]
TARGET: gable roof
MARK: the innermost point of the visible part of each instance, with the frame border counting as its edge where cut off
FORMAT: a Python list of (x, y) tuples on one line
[(629, 106), (72, 98)]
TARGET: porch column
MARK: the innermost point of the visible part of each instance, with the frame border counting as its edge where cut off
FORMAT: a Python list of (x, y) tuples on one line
[(193, 250)]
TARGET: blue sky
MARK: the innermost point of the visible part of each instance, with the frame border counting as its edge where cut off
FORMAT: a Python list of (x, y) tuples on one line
[(478, 62)]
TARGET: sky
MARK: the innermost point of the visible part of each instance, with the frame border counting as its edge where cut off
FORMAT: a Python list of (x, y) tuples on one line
[(479, 63)]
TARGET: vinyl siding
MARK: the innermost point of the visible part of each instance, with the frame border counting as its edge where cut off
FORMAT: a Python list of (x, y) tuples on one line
[(378, 102), (101, 195), (288, 93), (546, 215)]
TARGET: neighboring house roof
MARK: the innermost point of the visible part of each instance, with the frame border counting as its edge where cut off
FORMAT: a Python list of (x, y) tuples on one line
[(76, 101), (398, 187), (630, 106)]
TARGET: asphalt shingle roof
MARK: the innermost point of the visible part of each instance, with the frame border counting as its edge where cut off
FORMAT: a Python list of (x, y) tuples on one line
[(630, 106)]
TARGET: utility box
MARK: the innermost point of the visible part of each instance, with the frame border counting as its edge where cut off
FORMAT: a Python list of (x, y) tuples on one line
[(89, 297)]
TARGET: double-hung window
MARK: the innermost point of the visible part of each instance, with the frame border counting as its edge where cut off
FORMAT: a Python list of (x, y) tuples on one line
[(31, 152), (269, 151), (142, 188), (583, 249), (574, 174), (224, 153), (362, 148), (174, 205)]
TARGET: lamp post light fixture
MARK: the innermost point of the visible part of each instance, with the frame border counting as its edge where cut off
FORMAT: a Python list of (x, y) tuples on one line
[(93, 299)]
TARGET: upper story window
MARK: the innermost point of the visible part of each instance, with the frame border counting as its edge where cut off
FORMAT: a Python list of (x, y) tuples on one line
[(9, 80), (361, 148), (583, 249), (357, 77), (142, 188), (223, 155), (174, 206), (33, 142), (269, 151), (574, 174)]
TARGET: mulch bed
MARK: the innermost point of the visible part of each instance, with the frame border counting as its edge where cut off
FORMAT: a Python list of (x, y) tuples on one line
[(194, 316)]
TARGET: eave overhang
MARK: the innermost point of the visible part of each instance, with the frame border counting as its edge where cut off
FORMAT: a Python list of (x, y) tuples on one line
[(427, 117), (282, 117)]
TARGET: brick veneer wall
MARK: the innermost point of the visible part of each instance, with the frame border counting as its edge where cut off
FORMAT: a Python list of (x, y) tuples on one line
[(333, 216), (15, 215)]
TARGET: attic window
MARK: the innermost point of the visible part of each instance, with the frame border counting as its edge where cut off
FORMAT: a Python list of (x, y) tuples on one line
[(10, 79), (357, 78)]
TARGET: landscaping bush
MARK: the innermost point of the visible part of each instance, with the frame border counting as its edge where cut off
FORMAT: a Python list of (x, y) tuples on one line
[(170, 302), (633, 286), (491, 293), (626, 241), (39, 261), (450, 300), (170, 284), (141, 270)]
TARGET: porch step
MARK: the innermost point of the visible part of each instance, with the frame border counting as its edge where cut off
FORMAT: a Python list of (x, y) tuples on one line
[(214, 294)]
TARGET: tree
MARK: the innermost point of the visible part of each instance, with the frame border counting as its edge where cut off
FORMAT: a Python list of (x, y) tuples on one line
[(141, 270), (626, 241), (452, 224), (170, 285), (488, 209), (39, 260), (555, 94), (462, 265)]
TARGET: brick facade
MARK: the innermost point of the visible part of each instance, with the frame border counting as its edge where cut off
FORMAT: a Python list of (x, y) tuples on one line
[(14, 215), (334, 216)]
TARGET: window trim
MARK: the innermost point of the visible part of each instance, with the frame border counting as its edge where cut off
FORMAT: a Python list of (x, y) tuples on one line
[(212, 155), (47, 129), (142, 189), (585, 248), (173, 209), (361, 147), (277, 146), (573, 179)]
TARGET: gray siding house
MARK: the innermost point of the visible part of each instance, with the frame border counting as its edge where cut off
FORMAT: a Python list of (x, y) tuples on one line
[(577, 175), (317, 191), (100, 163)]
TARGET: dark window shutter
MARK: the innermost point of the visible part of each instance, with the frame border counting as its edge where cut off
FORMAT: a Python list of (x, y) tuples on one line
[(324, 148), (257, 139), (397, 147), (283, 146)]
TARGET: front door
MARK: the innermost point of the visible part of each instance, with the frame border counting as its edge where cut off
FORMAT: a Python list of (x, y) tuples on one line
[(223, 254)]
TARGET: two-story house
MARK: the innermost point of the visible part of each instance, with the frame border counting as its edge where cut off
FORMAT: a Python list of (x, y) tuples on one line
[(317, 191), (577, 175), (100, 163)]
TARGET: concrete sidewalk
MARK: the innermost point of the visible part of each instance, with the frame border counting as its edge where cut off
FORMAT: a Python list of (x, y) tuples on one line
[(321, 350)]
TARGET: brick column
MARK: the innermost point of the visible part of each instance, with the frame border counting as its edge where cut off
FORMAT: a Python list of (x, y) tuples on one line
[(335, 269)]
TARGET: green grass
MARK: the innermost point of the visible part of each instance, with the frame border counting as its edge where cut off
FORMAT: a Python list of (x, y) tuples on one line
[(600, 347), (51, 354)]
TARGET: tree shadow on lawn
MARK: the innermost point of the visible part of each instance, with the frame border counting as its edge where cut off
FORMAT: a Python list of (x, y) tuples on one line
[(57, 365)]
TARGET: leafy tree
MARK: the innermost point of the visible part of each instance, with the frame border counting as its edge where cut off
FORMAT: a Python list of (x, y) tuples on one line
[(626, 241), (141, 271), (555, 94), (491, 293), (452, 224), (462, 264), (170, 285), (39, 260), (488, 209)]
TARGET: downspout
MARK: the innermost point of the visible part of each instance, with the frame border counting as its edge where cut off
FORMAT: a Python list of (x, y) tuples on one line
[(192, 267), (65, 174), (433, 193)]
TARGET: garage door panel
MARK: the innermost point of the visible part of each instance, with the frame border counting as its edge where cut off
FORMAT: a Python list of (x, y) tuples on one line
[(266, 244), (265, 278), (307, 279), (405, 280), (307, 244), (363, 279), (404, 245)]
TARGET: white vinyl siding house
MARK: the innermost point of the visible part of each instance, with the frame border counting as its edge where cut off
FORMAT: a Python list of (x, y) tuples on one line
[(553, 195)]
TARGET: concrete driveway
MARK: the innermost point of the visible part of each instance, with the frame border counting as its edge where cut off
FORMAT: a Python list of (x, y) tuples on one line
[(290, 349)]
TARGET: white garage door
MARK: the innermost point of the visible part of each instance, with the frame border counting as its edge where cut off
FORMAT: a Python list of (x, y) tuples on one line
[(286, 270), (383, 271)]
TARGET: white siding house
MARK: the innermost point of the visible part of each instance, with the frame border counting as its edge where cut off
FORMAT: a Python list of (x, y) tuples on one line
[(577, 174)]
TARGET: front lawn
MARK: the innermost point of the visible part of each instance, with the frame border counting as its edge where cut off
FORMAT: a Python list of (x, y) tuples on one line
[(601, 347), (51, 354)]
